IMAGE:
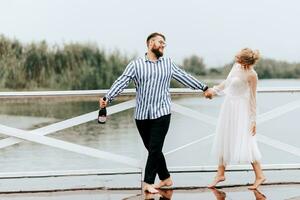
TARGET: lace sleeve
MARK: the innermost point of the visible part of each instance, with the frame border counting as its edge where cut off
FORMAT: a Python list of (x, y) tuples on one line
[(252, 80), (219, 89)]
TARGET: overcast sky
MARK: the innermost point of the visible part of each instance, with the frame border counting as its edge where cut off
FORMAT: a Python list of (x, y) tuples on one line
[(212, 29)]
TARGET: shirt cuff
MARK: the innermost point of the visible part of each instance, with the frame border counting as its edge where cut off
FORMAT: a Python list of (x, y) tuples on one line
[(108, 98), (204, 88)]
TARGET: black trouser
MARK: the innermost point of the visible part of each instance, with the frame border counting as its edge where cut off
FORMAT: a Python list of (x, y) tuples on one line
[(153, 133)]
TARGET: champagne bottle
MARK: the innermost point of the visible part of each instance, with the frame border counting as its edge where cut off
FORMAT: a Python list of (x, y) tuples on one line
[(102, 114)]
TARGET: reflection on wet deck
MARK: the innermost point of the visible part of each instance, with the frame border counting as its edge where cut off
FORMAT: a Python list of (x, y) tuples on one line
[(272, 192)]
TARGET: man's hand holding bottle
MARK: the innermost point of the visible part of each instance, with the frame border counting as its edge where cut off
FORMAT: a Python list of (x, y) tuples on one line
[(102, 102)]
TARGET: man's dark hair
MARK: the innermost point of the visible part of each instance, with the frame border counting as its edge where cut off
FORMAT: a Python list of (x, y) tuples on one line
[(152, 35)]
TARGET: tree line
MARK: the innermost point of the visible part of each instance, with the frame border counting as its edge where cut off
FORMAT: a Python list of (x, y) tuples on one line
[(70, 66), (38, 66), (266, 68)]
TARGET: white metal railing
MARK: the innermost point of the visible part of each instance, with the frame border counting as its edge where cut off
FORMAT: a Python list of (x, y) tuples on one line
[(126, 92), (40, 135)]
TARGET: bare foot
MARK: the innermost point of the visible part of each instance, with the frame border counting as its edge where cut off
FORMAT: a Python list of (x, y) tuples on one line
[(217, 180), (149, 188), (257, 183), (167, 182)]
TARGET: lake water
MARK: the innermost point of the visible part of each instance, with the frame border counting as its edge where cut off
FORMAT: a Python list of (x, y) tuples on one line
[(119, 134)]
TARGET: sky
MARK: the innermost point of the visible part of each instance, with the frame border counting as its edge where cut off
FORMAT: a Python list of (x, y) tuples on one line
[(212, 29)]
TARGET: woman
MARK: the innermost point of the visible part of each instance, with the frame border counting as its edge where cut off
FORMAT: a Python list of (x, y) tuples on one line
[(235, 141)]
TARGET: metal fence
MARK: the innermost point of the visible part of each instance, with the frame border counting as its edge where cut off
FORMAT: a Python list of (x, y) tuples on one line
[(39, 135)]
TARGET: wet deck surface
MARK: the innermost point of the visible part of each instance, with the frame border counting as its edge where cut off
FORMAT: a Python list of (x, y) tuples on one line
[(272, 192)]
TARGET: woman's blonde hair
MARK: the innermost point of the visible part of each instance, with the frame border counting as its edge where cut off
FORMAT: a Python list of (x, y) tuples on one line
[(247, 57)]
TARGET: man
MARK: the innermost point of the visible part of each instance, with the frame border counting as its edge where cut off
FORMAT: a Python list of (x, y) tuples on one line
[(152, 75)]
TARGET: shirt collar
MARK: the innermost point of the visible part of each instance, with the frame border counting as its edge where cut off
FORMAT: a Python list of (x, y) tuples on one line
[(147, 59)]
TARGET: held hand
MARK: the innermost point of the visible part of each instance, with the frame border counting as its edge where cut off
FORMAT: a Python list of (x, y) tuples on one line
[(102, 103), (209, 93), (253, 128)]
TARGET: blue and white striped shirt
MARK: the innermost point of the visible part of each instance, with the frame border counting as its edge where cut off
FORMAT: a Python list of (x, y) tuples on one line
[(152, 82)]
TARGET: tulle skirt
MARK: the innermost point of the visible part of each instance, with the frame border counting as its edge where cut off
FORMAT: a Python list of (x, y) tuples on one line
[(233, 142)]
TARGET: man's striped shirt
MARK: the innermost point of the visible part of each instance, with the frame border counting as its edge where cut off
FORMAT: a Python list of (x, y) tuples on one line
[(152, 83)]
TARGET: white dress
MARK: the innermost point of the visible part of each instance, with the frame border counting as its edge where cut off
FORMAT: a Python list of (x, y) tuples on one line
[(234, 143)]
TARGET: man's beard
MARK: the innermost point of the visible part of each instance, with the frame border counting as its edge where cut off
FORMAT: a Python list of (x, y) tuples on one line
[(157, 53)]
